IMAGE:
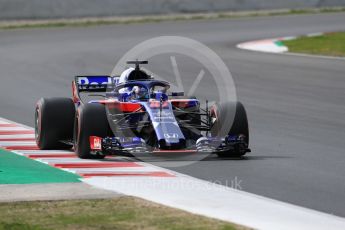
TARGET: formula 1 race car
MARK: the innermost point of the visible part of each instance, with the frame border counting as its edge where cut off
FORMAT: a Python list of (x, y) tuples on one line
[(134, 114)]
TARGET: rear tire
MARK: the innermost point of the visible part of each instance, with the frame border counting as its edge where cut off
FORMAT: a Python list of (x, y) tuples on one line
[(91, 120), (230, 119), (54, 120)]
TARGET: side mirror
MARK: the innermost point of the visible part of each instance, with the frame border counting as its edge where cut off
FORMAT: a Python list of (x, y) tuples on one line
[(176, 94)]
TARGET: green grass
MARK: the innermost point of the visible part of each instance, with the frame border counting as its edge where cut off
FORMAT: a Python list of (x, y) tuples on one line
[(332, 44), (82, 22), (118, 213), (15, 169)]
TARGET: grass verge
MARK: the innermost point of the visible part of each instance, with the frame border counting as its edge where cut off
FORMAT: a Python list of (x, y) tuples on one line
[(15, 169), (331, 44), (118, 213), (81, 22)]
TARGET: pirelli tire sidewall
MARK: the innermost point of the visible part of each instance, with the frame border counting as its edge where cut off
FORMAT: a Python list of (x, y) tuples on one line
[(90, 120), (54, 121), (230, 119)]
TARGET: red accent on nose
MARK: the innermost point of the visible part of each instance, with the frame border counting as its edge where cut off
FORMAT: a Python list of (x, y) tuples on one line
[(95, 143)]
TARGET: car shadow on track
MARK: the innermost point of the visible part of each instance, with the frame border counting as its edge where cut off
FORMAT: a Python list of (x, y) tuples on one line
[(149, 159), (244, 158)]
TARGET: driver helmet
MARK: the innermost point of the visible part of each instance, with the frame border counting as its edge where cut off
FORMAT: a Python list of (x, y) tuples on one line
[(139, 92), (124, 75), (124, 78)]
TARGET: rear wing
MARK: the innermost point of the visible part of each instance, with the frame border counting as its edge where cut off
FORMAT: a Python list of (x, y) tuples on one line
[(100, 83), (95, 83)]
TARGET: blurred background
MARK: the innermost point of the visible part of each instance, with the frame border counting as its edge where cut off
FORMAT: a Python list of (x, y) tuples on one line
[(44, 9)]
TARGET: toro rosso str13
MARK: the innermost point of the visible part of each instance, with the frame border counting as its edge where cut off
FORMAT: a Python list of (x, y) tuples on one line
[(134, 114)]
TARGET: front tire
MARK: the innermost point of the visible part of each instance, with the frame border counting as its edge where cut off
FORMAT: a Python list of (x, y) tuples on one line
[(91, 120), (230, 118)]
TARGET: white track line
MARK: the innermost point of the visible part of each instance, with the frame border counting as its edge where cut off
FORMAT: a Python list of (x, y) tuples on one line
[(200, 197), (13, 128), (17, 136), (128, 169), (13, 143), (65, 160)]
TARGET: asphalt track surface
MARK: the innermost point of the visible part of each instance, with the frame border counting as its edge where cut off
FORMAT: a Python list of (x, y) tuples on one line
[(295, 105)]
